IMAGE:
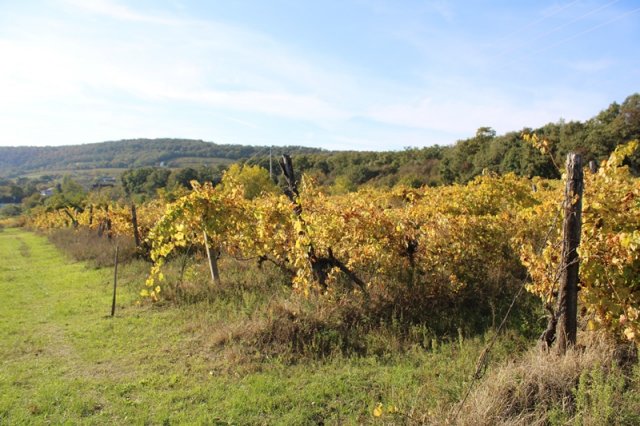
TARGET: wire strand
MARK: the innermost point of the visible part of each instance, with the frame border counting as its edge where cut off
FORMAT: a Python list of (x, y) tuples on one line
[(482, 359)]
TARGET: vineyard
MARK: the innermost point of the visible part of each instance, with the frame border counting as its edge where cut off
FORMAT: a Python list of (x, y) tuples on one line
[(451, 249)]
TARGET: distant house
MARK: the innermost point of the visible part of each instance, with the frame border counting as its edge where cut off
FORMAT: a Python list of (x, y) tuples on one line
[(47, 192), (108, 181)]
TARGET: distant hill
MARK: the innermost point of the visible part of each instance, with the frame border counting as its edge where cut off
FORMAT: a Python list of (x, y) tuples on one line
[(130, 153), (487, 151)]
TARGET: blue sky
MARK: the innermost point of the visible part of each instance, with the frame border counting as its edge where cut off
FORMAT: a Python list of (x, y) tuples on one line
[(350, 74)]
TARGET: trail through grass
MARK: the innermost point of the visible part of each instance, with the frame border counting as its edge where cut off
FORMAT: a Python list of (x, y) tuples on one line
[(64, 360)]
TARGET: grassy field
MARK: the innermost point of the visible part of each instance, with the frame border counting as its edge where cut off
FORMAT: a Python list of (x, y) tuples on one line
[(64, 360)]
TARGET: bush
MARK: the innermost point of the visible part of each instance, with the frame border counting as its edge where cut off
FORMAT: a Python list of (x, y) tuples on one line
[(10, 210)]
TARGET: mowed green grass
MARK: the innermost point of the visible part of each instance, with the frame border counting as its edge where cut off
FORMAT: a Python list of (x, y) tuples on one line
[(64, 360)]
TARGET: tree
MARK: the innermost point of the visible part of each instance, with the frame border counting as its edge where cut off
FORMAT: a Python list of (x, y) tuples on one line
[(342, 185), (254, 179), (157, 179), (133, 180), (69, 193), (485, 133), (183, 178), (10, 210)]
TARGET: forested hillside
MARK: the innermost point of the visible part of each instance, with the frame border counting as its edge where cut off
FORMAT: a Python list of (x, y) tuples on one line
[(595, 138), (486, 151), (126, 154)]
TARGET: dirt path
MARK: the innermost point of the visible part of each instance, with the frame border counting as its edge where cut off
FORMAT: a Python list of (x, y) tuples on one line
[(54, 333)]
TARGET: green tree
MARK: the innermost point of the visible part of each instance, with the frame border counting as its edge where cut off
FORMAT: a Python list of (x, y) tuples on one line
[(255, 179), (69, 193), (10, 210), (182, 178), (157, 179), (133, 180), (342, 185)]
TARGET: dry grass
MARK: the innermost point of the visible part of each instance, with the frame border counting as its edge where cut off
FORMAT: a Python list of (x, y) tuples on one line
[(12, 222), (546, 388), (86, 245), (260, 317)]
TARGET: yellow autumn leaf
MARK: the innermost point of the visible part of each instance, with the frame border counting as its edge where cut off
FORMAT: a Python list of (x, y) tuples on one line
[(377, 412), (629, 333)]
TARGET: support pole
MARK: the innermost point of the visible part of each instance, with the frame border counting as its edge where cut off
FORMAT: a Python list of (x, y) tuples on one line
[(568, 293), (134, 224), (115, 283), (212, 256)]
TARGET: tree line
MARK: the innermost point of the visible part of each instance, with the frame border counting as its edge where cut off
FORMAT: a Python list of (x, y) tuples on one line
[(340, 172), (485, 152)]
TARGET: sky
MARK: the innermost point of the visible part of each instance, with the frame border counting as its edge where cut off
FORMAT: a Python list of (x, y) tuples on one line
[(335, 74)]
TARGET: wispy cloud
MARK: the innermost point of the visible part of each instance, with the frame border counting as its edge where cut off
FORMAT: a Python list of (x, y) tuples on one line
[(444, 8), (590, 66), (97, 69), (463, 115), (203, 62), (118, 11)]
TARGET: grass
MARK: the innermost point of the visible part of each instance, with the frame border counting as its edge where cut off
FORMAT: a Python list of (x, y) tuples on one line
[(595, 383), (85, 245), (234, 355), (65, 361)]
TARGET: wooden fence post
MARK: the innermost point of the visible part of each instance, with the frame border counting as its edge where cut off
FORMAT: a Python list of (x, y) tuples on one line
[(134, 223), (212, 256), (115, 283), (568, 293)]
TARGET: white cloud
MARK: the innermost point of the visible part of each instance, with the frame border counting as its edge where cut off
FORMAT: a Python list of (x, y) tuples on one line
[(100, 69), (443, 8), (590, 66), (203, 62), (118, 11), (464, 115)]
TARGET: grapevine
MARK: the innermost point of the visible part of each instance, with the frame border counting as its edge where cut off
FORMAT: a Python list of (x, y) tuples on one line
[(456, 241)]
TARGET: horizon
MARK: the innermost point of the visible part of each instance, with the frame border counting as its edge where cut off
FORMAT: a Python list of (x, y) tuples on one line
[(373, 75)]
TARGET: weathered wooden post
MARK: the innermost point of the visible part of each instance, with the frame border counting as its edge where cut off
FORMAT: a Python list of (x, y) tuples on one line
[(115, 283), (568, 293), (109, 233), (105, 225), (212, 256), (134, 223)]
